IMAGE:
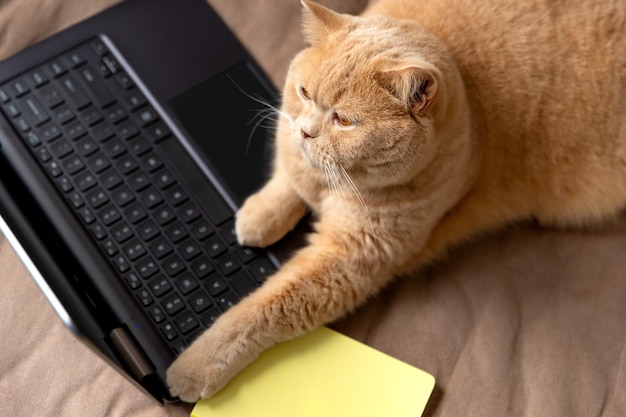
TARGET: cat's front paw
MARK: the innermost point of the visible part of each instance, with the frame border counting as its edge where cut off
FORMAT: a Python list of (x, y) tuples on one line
[(214, 358), (261, 222), (193, 376)]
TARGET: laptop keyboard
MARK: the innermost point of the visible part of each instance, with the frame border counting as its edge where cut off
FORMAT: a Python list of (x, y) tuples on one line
[(101, 143)]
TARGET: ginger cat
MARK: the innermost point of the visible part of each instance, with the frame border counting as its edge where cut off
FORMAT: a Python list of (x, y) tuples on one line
[(411, 129)]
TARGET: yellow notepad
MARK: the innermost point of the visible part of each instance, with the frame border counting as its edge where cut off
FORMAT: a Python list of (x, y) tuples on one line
[(322, 374)]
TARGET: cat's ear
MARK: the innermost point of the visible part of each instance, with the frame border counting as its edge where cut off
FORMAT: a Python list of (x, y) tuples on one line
[(415, 86), (319, 21)]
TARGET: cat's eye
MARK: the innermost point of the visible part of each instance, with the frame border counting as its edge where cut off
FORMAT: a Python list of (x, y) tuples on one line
[(305, 93), (342, 121)]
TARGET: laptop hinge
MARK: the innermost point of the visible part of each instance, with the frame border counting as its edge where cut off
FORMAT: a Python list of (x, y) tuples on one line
[(134, 358)]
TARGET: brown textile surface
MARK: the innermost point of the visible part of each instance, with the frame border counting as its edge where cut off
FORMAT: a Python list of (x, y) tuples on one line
[(528, 322)]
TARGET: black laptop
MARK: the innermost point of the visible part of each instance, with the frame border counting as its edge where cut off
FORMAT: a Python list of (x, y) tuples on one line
[(126, 144)]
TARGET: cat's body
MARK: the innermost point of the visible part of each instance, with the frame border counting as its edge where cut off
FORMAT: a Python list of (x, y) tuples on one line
[(407, 137)]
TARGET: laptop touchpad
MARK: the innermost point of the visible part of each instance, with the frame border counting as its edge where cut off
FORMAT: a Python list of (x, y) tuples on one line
[(230, 126)]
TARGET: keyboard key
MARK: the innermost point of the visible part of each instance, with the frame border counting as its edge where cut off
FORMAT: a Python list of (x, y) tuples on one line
[(160, 248), (36, 78), (164, 179), (110, 179), (121, 263), (201, 229), (85, 181), (75, 59), (61, 148), (18, 88), (123, 196), (186, 322), (74, 165), (188, 212), (200, 301), (164, 214), (173, 265), (186, 283), (91, 116), (151, 197), (115, 114), (62, 114), (124, 81), (101, 132), (169, 331), (145, 117), (126, 165), (86, 147), (109, 247), (98, 163), (49, 132), (245, 254), (261, 269), (189, 249), (98, 231), (97, 198), (112, 64), (55, 69), (215, 247), (122, 232), (134, 250), (95, 87), (135, 213), (73, 92), (133, 101), (32, 138), (157, 314), (144, 297), (126, 130), (74, 130), (147, 267), (173, 303), (176, 232), (33, 112), (50, 96), (133, 280), (228, 264), (159, 286), (227, 300), (202, 267), (176, 195), (216, 285), (151, 162), (109, 215), (11, 110), (148, 230), (138, 146), (99, 47), (157, 132), (65, 184)]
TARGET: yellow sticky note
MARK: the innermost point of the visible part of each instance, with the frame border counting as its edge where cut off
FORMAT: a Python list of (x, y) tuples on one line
[(322, 374)]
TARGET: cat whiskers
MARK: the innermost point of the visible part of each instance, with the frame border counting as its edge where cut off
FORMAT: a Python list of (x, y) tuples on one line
[(334, 177), (269, 112)]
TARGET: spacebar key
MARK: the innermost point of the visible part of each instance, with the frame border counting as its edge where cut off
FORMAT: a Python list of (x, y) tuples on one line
[(204, 192)]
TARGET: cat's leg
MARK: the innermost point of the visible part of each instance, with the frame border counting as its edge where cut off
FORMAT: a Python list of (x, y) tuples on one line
[(323, 281), (269, 214), (481, 211)]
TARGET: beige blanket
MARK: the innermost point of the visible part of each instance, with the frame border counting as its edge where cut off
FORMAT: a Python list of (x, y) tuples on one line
[(527, 322)]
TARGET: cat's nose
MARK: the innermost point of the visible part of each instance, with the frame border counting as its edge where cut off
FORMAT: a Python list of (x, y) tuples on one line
[(306, 135)]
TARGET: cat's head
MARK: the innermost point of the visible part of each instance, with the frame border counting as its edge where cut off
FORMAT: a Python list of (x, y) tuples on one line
[(363, 96)]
